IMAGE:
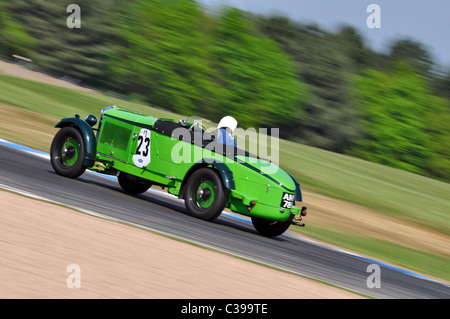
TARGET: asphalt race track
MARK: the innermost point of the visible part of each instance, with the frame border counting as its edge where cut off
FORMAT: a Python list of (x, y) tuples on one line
[(25, 172)]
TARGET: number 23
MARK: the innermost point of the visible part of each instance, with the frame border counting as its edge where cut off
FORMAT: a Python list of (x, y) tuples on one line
[(141, 149)]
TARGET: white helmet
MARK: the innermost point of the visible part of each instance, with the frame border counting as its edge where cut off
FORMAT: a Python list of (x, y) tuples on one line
[(228, 122)]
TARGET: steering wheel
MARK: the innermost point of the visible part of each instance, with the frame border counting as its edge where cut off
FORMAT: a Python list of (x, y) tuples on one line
[(201, 124)]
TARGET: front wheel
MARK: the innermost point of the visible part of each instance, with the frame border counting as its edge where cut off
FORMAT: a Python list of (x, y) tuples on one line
[(271, 228), (205, 196), (67, 152)]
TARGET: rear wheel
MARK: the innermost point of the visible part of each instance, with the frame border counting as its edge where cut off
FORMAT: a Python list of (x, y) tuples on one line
[(205, 196), (271, 228), (67, 152), (132, 184)]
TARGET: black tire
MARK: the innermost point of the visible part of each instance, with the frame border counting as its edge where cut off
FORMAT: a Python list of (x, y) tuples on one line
[(271, 228), (67, 152), (132, 184), (205, 196)]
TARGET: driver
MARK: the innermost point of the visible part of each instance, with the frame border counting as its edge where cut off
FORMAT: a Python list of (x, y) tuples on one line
[(225, 129)]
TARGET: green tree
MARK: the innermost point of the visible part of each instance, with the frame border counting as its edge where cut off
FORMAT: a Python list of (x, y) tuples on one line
[(394, 105), (329, 119), (162, 53), (258, 78), (413, 53), (441, 85), (13, 37), (77, 53), (350, 42), (437, 118)]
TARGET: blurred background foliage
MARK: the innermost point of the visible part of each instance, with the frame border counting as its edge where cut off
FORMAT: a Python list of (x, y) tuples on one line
[(321, 88)]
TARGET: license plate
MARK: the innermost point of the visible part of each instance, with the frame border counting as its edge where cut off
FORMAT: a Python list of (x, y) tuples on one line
[(287, 201)]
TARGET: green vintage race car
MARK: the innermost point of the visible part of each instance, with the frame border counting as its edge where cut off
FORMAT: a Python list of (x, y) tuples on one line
[(183, 158)]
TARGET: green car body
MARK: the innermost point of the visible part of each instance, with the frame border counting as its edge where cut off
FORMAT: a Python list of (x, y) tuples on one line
[(144, 150)]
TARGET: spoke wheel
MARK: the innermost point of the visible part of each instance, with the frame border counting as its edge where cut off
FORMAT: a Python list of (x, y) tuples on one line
[(67, 152), (205, 196), (70, 152), (206, 193)]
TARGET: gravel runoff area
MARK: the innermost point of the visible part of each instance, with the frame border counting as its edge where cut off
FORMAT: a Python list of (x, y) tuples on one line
[(49, 251)]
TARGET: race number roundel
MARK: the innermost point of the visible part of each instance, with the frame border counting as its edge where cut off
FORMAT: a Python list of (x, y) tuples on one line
[(141, 158)]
